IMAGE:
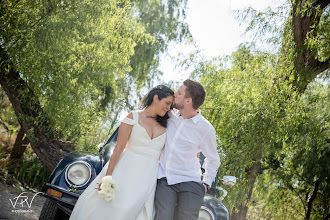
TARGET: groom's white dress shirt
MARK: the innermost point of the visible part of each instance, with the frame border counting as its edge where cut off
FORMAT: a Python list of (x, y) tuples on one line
[(185, 138)]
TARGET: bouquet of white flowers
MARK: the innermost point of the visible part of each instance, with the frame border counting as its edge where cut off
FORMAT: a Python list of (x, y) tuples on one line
[(108, 188)]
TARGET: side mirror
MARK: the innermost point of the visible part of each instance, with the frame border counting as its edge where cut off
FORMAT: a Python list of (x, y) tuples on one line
[(229, 180)]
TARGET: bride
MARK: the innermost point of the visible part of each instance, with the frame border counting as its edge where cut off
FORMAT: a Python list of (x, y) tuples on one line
[(133, 164)]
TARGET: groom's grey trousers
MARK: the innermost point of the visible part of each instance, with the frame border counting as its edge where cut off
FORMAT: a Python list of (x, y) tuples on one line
[(180, 201)]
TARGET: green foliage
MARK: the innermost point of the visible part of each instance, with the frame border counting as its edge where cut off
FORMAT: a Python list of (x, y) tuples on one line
[(273, 200), (31, 171), (274, 26), (268, 25), (73, 55), (298, 31), (318, 40), (259, 118), (301, 166), (86, 60), (164, 20), (8, 118)]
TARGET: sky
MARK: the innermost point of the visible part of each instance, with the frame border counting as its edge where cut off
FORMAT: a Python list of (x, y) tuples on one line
[(213, 26)]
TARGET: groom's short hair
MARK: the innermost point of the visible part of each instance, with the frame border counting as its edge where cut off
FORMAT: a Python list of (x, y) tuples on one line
[(195, 91)]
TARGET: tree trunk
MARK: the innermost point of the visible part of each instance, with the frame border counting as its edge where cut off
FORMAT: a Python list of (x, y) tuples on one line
[(18, 150), (305, 23), (240, 212), (28, 110)]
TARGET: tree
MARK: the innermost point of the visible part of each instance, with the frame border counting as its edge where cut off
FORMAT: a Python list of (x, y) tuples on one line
[(300, 29), (164, 20), (303, 54), (265, 137), (294, 178), (66, 66)]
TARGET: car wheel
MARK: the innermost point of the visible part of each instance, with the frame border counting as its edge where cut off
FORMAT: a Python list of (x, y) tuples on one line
[(50, 211)]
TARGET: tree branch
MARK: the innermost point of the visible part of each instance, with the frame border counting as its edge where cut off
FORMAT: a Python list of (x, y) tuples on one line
[(311, 199), (322, 3), (304, 25)]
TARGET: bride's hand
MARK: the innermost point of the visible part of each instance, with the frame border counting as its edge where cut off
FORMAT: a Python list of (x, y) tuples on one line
[(100, 186)]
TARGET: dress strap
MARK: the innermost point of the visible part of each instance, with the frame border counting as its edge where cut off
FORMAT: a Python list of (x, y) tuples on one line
[(132, 121), (135, 116)]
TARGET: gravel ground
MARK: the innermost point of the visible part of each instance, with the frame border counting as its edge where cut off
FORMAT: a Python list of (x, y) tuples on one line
[(10, 211)]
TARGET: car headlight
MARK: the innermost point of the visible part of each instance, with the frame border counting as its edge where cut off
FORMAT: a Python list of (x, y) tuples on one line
[(78, 173), (205, 214)]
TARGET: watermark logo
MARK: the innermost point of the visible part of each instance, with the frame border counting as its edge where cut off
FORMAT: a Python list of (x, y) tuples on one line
[(22, 201)]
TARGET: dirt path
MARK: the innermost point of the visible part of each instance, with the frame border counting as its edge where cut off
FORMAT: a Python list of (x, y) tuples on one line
[(9, 195)]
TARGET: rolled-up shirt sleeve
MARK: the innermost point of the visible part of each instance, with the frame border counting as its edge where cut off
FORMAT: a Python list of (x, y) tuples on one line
[(212, 159)]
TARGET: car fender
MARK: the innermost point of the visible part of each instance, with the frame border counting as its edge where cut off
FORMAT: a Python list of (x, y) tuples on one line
[(58, 175)]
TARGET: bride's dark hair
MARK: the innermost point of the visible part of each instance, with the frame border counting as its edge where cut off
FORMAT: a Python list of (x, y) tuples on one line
[(162, 92)]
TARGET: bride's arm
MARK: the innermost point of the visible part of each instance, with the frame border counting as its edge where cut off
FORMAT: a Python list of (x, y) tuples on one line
[(123, 135)]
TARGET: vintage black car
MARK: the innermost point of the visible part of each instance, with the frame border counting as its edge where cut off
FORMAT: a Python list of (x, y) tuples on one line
[(78, 169)]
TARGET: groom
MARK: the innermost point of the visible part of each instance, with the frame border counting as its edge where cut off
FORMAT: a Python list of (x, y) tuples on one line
[(180, 190)]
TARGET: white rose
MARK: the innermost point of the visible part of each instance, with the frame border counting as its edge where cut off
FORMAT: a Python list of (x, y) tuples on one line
[(107, 180), (105, 186), (102, 193), (108, 197)]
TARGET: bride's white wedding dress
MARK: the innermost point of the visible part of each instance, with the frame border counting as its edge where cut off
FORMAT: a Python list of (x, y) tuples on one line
[(136, 178)]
